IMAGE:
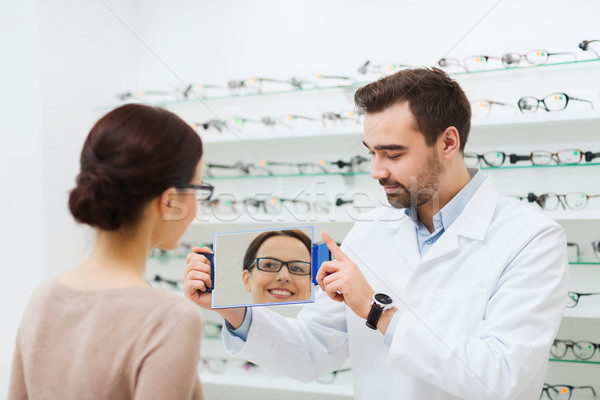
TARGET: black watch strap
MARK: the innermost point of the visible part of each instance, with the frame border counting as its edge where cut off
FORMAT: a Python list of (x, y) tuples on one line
[(373, 317)]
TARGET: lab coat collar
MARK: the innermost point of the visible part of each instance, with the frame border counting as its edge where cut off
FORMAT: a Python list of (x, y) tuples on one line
[(473, 222)]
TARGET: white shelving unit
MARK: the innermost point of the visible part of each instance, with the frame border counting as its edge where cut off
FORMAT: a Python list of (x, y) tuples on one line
[(575, 127)]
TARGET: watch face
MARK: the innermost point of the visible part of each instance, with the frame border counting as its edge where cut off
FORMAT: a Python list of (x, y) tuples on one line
[(383, 298)]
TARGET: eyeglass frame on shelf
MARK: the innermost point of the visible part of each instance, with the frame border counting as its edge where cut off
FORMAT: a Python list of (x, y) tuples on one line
[(545, 106), (571, 344)]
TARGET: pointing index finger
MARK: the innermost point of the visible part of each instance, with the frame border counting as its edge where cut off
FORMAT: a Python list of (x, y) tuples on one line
[(337, 253)]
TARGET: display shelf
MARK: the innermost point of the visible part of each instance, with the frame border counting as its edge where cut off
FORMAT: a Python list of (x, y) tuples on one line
[(573, 215), (528, 67), (284, 134), (252, 380), (320, 174), (585, 263), (581, 312), (353, 86), (574, 361), (510, 167)]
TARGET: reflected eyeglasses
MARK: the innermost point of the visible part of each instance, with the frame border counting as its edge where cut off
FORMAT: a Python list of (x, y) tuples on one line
[(204, 191), (268, 264), (551, 102), (562, 392), (574, 297), (583, 350)]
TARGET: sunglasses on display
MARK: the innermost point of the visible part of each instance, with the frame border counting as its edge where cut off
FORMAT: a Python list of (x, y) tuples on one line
[(583, 350), (551, 102), (563, 392)]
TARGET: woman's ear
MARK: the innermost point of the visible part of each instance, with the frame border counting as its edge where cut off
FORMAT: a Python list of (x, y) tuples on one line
[(171, 210), (246, 279)]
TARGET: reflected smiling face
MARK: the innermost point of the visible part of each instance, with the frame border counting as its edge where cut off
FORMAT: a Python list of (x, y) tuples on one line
[(276, 287)]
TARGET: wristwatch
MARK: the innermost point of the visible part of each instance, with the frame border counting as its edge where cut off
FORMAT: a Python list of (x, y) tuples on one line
[(380, 302)]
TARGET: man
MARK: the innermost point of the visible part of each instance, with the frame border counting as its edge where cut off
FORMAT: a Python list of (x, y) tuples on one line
[(478, 280)]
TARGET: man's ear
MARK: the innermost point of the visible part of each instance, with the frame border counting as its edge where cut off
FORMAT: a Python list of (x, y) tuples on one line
[(246, 279), (171, 210), (450, 142)]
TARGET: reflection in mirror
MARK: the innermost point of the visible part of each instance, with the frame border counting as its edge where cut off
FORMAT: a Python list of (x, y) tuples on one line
[(263, 268)]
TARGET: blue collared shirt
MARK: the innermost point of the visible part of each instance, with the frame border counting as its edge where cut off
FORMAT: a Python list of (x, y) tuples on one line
[(425, 239)]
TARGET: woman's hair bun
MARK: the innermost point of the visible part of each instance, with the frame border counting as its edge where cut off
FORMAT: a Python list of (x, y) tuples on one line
[(98, 200), (130, 157)]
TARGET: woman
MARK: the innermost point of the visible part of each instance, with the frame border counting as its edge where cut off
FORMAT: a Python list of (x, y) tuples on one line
[(99, 330), (277, 267)]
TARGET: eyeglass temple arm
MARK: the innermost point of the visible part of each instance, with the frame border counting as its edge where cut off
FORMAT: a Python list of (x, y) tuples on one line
[(571, 244), (562, 53), (589, 156), (585, 46), (586, 387), (578, 99), (339, 202), (514, 158)]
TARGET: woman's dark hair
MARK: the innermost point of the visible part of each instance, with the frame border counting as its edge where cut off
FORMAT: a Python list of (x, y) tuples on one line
[(132, 155), (250, 255), (436, 101)]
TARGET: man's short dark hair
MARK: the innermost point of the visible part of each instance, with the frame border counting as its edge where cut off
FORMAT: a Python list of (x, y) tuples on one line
[(436, 101)]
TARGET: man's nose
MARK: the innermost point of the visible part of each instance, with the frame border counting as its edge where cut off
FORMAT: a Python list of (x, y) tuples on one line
[(379, 170)]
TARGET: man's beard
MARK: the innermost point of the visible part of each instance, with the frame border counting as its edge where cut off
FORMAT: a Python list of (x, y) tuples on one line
[(423, 188)]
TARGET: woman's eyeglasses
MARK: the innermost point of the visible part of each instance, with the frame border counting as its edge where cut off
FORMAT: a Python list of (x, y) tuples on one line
[(268, 264), (551, 102), (204, 191)]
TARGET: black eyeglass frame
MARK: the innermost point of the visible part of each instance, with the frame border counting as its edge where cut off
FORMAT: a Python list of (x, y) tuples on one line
[(256, 264), (204, 186)]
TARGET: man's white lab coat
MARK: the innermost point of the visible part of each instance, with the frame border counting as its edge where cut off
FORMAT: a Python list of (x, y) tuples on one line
[(479, 311)]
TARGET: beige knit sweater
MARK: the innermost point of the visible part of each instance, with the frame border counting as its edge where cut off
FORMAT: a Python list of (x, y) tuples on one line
[(136, 343)]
